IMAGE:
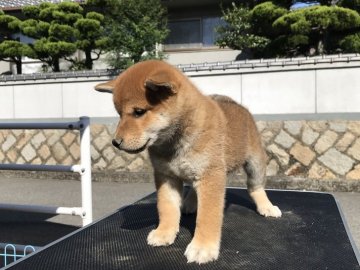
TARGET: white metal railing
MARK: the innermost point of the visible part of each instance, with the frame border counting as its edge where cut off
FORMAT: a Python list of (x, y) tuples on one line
[(84, 169), (11, 253)]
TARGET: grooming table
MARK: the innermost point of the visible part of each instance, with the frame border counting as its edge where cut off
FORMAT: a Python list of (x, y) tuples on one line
[(311, 234)]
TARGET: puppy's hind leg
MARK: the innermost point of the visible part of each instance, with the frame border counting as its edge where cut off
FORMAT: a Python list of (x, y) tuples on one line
[(255, 168)]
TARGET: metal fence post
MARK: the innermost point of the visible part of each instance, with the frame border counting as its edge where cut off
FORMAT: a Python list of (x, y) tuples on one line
[(86, 189)]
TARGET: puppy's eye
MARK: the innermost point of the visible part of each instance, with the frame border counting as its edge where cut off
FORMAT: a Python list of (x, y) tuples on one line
[(138, 112)]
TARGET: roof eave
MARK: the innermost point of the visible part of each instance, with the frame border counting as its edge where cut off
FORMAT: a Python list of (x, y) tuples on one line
[(11, 8)]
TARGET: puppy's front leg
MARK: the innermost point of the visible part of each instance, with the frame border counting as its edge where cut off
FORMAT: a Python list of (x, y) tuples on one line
[(205, 245), (169, 193)]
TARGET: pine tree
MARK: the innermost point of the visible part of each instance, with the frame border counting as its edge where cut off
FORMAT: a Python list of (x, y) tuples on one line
[(90, 37), (51, 25), (271, 30), (11, 49), (317, 27)]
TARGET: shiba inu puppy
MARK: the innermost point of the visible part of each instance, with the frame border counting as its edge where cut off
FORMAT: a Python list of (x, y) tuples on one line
[(191, 138)]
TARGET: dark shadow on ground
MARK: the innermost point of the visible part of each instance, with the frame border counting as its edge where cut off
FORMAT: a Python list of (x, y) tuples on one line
[(30, 228)]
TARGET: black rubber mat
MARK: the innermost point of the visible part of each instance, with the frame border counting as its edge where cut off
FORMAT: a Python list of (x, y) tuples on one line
[(309, 235)]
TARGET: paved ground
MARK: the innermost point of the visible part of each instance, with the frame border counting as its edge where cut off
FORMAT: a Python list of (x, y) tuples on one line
[(29, 228), (25, 228)]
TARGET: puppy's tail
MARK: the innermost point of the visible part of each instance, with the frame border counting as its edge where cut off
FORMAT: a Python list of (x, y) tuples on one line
[(222, 99)]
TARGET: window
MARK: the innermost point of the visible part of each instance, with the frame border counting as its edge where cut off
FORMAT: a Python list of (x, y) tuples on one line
[(184, 34), (192, 33), (209, 34)]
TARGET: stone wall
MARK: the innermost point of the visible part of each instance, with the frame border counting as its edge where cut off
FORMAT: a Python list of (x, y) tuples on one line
[(315, 150)]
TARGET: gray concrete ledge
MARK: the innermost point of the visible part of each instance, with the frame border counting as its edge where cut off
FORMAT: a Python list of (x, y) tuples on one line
[(59, 75), (273, 182)]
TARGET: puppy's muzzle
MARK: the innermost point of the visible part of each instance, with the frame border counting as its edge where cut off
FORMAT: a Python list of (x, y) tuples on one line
[(117, 142)]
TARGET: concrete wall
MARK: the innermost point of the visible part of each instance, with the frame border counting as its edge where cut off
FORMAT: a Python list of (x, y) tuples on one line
[(4, 66), (198, 56), (53, 98), (307, 89), (314, 86)]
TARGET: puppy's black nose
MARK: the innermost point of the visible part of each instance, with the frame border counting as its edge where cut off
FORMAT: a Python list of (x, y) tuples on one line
[(117, 142)]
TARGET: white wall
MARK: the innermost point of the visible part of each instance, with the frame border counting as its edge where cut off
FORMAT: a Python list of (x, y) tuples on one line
[(4, 66), (200, 56), (338, 90), (229, 85), (315, 89), (52, 99)]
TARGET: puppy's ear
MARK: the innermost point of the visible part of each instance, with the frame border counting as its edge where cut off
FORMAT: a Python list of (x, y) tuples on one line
[(106, 87), (161, 82)]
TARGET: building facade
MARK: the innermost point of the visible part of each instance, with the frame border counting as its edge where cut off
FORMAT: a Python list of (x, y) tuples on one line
[(191, 39), (192, 32)]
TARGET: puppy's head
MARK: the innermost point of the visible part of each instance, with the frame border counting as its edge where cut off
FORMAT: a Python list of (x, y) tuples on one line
[(144, 96)]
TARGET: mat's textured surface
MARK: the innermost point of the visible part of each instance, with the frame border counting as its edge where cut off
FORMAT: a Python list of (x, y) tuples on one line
[(310, 235)]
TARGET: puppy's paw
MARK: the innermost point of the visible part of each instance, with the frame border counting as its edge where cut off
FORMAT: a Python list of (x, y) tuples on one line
[(201, 253), (269, 211), (159, 238)]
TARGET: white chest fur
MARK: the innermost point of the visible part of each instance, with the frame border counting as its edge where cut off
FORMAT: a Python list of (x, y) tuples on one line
[(183, 163)]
